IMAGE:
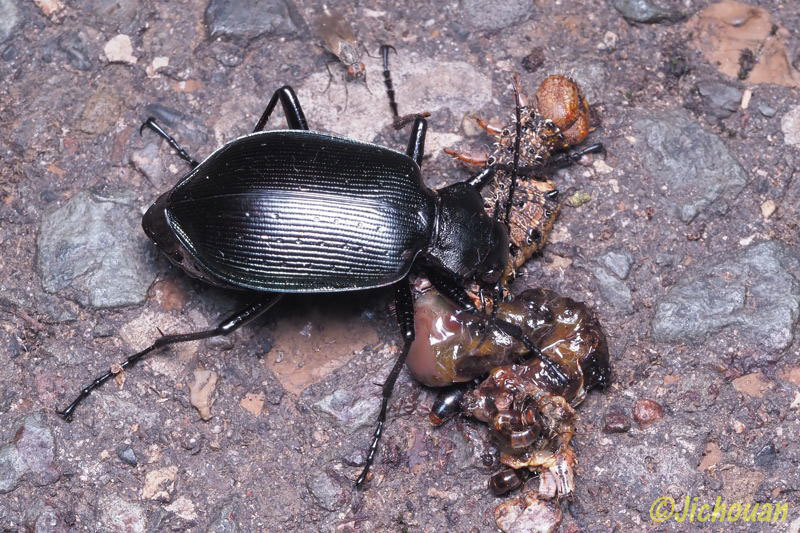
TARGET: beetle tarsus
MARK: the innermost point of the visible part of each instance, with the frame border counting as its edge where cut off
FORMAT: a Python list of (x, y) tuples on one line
[(387, 78)]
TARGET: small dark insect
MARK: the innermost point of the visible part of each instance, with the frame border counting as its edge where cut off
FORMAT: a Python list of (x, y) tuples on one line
[(338, 39), (528, 408), (559, 119)]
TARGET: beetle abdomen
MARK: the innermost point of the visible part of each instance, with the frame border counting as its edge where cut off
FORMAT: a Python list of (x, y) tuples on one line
[(294, 211)]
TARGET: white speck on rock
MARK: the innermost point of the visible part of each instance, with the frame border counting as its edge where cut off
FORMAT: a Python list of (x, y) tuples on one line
[(120, 50), (790, 125)]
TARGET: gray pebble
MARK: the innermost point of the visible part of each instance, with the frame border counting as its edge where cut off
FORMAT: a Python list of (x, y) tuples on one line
[(127, 455), (693, 168), (765, 457), (488, 15), (766, 110), (249, 19), (648, 11), (755, 290), (720, 99), (613, 291), (92, 249), (349, 408), (326, 492), (618, 262), (117, 14), (9, 18), (12, 468)]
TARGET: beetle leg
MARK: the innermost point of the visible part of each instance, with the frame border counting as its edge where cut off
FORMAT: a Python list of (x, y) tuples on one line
[(473, 159), (227, 326), (564, 160), (404, 305), (150, 123), (480, 179), (295, 117), (416, 144), (494, 131)]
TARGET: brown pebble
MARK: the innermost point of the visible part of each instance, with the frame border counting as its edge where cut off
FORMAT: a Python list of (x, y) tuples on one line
[(616, 422), (645, 412)]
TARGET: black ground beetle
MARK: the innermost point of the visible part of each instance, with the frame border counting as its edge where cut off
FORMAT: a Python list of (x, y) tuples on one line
[(297, 211)]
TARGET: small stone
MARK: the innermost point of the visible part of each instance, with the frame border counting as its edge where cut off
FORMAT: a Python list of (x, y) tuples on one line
[(645, 412), (488, 15), (127, 455), (693, 168), (157, 63), (616, 422), (326, 492), (74, 45), (200, 391), (765, 457), (100, 113), (613, 290), (122, 515), (249, 19), (752, 384), (9, 18), (91, 250), (738, 427), (648, 11), (36, 446), (618, 262), (768, 207), (470, 126), (49, 7), (159, 484), (721, 100), (601, 167), (790, 125), (579, 198), (120, 50), (752, 289), (119, 15), (766, 110), (12, 468), (183, 507)]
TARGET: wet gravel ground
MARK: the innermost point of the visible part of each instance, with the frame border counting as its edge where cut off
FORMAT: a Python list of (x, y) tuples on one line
[(687, 250)]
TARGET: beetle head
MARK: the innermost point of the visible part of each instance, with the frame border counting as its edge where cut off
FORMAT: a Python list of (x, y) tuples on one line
[(469, 243), (156, 225)]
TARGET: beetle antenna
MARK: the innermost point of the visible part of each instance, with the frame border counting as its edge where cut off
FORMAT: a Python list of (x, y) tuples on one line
[(518, 101), (150, 123)]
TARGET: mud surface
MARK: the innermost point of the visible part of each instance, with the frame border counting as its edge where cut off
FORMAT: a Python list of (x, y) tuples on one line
[(683, 238)]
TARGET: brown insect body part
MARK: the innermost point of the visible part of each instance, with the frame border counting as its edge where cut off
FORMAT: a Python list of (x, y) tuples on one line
[(559, 120), (528, 408)]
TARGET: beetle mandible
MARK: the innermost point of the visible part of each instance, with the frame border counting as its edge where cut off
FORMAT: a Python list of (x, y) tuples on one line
[(298, 211)]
